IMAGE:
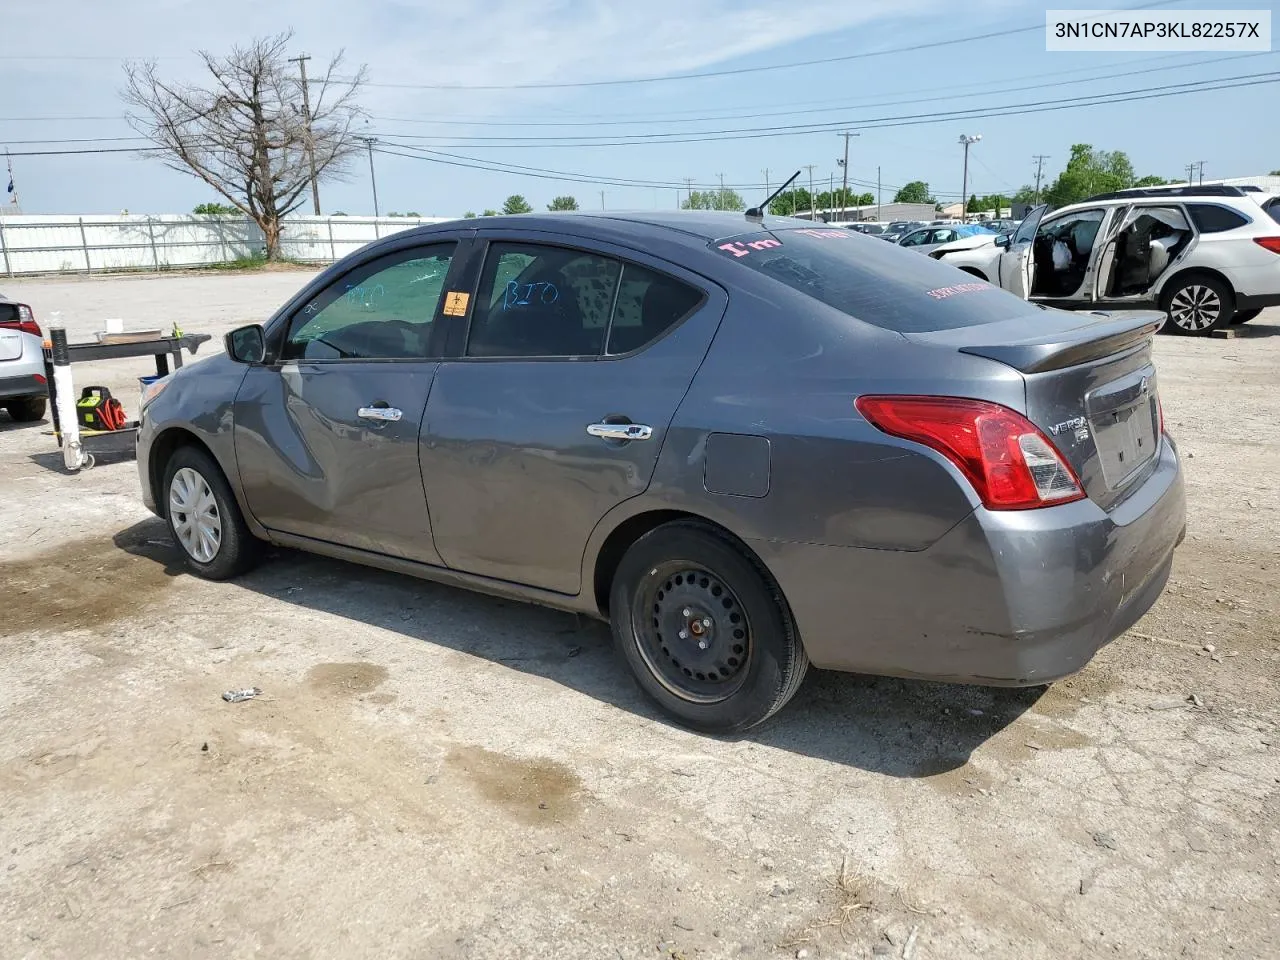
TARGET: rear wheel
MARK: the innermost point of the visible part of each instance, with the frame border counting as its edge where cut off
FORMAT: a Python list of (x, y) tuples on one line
[(205, 519), (705, 629), (27, 409), (1244, 316), (1198, 304)]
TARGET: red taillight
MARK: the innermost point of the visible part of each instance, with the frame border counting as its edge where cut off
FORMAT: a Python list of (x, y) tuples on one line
[(26, 322), (1269, 243), (1011, 464)]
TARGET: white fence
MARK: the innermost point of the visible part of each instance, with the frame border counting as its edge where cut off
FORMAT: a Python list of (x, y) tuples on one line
[(92, 244)]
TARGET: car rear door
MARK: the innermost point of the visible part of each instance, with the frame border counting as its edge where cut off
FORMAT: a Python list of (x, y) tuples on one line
[(1016, 266), (552, 409), (326, 436)]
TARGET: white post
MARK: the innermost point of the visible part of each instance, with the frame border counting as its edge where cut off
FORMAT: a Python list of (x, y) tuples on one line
[(73, 455)]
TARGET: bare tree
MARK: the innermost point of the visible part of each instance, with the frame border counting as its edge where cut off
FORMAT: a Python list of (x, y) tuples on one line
[(247, 134)]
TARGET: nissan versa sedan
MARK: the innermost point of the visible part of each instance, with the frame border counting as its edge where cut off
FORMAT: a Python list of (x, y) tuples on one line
[(749, 444)]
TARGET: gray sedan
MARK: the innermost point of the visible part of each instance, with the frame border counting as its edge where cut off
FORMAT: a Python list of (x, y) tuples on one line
[(750, 445)]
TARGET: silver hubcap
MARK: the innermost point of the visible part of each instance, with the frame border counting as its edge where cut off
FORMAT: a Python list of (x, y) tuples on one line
[(1195, 307), (193, 514)]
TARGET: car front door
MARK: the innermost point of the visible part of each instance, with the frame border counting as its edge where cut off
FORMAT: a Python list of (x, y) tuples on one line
[(556, 406), (326, 435), (1016, 266)]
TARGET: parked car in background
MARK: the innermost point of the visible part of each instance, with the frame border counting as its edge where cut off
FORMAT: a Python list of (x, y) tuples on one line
[(23, 390), (927, 239), (869, 229), (1001, 225), (926, 477), (1208, 256), (899, 228)]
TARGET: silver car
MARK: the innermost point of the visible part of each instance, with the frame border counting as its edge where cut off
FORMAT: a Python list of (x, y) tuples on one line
[(749, 444), (23, 391), (927, 239)]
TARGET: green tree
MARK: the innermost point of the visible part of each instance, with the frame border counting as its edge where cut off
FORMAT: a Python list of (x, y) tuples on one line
[(1090, 172), (972, 205), (917, 191), (469, 215), (713, 200), (413, 213), (1026, 194), (1274, 173), (1151, 180), (216, 210), (489, 213), (789, 202), (563, 203), (516, 204)]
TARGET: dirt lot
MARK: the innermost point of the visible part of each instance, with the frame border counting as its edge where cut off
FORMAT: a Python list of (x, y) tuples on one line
[(432, 773)]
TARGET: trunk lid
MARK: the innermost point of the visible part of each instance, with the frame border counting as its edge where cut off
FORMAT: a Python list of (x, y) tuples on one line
[(1090, 386)]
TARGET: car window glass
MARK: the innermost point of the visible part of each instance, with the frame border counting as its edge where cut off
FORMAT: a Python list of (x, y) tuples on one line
[(1212, 218), (915, 239), (1026, 230), (870, 281), (537, 301), (383, 311), (1273, 208), (1075, 231), (648, 305)]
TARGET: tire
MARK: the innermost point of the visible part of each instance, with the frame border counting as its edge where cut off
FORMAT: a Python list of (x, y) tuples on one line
[(227, 548), (27, 409), (1198, 305), (1244, 316), (686, 575)]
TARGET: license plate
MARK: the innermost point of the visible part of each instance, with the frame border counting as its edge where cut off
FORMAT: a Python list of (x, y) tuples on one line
[(1126, 440)]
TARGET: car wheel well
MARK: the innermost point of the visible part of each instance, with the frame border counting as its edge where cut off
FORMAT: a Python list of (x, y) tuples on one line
[(1172, 284), (162, 450), (632, 529), (975, 271)]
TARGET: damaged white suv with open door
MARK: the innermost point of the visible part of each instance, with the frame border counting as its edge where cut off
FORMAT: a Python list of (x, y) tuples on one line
[(1208, 256)]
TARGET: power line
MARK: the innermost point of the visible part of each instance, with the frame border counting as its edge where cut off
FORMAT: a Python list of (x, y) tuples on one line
[(998, 86), (747, 133), (932, 45)]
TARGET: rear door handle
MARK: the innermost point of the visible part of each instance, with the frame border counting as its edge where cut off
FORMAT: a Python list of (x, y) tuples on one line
[(379, 413), (620, 431)]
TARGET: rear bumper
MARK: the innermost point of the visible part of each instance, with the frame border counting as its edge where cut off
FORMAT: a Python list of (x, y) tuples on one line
[(23, 385), (1010, 598)]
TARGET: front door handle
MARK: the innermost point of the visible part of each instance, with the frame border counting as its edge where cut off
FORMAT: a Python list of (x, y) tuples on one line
[(620, 431), (379, 413)]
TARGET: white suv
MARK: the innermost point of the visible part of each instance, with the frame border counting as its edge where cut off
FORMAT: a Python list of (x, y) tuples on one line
[(1208, 256)]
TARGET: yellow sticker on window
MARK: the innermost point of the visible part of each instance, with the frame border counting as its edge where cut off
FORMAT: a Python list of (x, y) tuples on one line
[(455, 303)]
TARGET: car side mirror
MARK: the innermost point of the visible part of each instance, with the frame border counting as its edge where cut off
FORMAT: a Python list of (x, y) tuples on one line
[(1004, 240), (247, 344)]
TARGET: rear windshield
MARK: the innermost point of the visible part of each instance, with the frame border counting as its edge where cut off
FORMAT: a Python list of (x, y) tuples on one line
[(1273, 208), (874, 281)]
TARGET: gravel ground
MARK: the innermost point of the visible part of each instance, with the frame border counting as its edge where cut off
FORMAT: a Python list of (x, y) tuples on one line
[(433, 773)]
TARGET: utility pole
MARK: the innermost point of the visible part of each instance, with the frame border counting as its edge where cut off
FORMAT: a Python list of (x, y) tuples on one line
[(688, 186), (601, 199), (1201, 165), (966, 141), (1039, 158), (844, 165), (831, 195), (311, 142), (877, 194), (765, 171), (12, 188), (720, 196), (809, 167), (373, 181)]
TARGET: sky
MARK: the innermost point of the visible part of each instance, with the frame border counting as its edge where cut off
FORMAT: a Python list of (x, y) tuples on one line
[(61, 71)]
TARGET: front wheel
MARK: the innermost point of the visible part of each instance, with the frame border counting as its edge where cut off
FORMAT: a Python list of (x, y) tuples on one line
[(205, 519), (704, 629), (1244, 316), (1198, 305)]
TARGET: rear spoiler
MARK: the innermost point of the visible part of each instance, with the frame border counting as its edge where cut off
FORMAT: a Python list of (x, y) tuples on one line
[(1114, 332)]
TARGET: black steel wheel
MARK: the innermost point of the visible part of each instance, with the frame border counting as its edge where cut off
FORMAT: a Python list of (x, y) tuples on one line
[(704, 628)]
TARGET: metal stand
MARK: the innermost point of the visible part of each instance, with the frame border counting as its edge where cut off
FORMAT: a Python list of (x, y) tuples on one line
[(162, 348)]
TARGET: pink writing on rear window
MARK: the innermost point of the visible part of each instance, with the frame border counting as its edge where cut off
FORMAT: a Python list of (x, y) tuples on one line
[(739, 249), (827, 234)]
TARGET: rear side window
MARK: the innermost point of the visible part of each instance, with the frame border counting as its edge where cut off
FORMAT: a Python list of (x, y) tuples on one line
[(875, 282), (1273, 208), (649, 304), (1211, 218)]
